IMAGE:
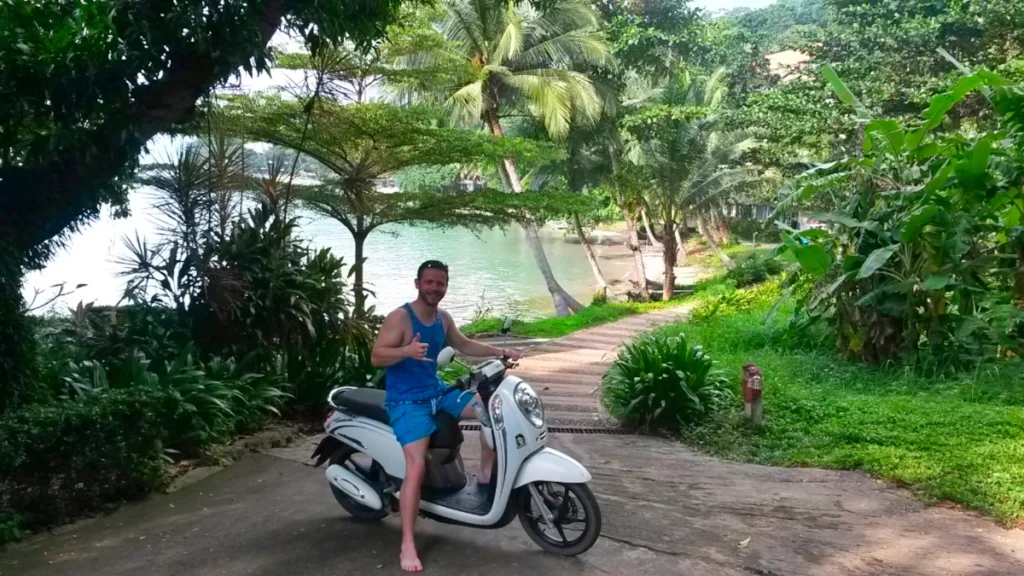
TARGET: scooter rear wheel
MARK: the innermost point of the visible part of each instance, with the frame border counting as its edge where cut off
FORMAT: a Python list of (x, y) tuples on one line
[(343, 457), (576, 518)]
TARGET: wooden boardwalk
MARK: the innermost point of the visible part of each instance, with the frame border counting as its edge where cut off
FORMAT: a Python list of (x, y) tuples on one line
[(567, 371)]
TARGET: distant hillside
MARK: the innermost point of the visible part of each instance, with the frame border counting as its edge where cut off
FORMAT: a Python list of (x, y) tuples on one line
[(775, 25)]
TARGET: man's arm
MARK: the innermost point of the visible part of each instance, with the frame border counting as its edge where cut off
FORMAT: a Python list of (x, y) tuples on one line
[(463, 344), (388, 349)]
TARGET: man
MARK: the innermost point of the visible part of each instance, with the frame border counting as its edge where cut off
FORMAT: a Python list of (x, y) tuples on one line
[(408, 344)]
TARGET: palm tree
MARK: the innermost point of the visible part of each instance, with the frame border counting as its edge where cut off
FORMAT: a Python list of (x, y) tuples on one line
[(512, 57), (629, 197), (691, 173), (691, 163)]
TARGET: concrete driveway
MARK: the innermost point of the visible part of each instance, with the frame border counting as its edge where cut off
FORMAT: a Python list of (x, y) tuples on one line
[(666, 511)]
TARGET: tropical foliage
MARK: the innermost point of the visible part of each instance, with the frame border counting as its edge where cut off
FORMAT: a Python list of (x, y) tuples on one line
[(921, 258), (227, 320)]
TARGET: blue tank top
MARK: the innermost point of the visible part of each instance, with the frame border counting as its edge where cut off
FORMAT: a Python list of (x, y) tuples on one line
[(414, 380)]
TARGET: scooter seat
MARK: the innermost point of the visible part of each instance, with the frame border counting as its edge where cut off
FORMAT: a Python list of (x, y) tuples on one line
[(366, 402), (369, 403)]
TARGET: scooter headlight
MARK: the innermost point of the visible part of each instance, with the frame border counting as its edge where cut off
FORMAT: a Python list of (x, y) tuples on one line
[(497, 414), (530, 404)]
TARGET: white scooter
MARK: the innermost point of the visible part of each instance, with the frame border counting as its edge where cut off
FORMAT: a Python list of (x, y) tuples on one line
[(545, 488)]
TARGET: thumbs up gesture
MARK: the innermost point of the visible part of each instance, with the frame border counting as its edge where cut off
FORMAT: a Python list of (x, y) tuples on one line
[(417, 350)]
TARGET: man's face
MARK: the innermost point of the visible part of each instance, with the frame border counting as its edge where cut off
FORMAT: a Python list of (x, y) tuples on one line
[(432, 286)]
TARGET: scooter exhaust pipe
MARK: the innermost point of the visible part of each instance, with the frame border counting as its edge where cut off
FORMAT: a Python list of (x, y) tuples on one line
[(352, 485)]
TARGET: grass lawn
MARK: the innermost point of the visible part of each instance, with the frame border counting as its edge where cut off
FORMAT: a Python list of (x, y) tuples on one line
[(951, 439), (593, 315)]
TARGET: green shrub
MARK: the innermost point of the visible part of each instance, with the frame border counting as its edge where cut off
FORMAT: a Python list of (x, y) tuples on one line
[(266, 298), (329, 363), (67, 459), (105, 439), (217, 398), (11, 527), (259, 395), (754, 270), (660, 382)]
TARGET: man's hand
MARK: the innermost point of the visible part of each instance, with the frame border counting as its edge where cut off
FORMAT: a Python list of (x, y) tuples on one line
[(511, 354), (417, 350)]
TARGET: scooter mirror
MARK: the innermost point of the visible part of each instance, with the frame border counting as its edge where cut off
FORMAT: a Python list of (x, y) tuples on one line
[(445, 357), (507, 326)]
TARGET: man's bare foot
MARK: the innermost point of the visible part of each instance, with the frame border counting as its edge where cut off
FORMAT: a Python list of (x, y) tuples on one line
[(409, 559)]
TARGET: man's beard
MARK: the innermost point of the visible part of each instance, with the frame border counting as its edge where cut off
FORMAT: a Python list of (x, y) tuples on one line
[(431, 299)]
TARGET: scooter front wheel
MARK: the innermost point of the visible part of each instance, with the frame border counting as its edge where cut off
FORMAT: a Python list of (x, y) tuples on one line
[(573, 520), (345, 456)]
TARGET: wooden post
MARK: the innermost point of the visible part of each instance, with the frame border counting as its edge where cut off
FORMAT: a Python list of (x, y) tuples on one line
[(752, 388)]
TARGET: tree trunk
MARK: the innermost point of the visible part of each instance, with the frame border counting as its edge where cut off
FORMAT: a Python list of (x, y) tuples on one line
[(17, 342), (680, 247), (668, 256), (602, 284), (564, 303), (639, 272), (638, 275), (720, 226), (358, 288), (702, 226), (650, 231)]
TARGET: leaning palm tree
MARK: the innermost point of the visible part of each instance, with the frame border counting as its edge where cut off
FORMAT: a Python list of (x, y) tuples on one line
[(580, 171), (513, 58)]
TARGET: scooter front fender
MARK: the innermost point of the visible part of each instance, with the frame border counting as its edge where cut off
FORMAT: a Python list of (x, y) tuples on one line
[(548, 465)]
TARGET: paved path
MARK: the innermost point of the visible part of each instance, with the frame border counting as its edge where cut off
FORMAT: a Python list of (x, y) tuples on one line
[(567, 371), (667, 511)]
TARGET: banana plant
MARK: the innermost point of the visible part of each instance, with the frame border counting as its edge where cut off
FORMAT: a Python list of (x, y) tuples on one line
[(920, 240)]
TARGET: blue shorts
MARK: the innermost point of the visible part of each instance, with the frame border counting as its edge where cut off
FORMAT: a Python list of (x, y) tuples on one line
[(414, 420)]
